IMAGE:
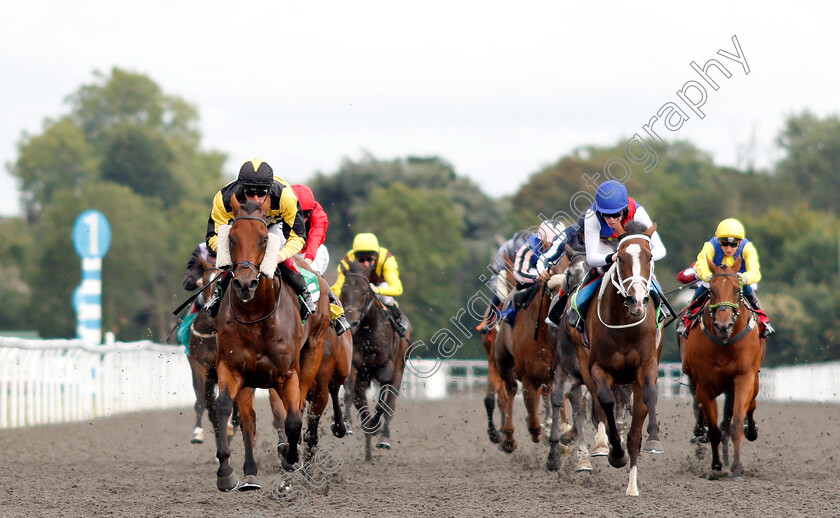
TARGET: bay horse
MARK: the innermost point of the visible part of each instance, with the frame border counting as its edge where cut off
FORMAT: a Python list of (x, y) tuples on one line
[(624, 347), (261, 342), (333, 373), (202, 360), (378, 353), (524, 352), (493, 379), (723, 354)]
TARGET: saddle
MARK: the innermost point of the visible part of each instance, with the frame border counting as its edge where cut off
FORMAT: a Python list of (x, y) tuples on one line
[(523, 297)]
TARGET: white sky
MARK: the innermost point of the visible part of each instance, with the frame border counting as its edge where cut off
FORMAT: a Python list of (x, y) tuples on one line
[(499, 89)]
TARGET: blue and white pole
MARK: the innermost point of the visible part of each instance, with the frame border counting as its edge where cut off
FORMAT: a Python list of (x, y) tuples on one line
[(91, 238)]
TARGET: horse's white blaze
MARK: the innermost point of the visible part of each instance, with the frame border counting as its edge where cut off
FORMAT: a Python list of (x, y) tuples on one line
[(635, 251), (632, 487)]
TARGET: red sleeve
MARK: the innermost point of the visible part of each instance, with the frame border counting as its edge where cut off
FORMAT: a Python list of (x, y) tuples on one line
[(318, 223)]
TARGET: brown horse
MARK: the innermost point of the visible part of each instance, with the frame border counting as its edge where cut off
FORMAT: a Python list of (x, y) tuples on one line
[(336, 363), (378, 353), (493, 379), (202, 360), (724, 355), (525, 352), (262, 342), (625, 345)]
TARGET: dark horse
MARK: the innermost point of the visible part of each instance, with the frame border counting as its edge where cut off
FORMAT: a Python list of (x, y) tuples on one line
[(724, 355), (378, 353), (261, 341), (202, 360), (625, 345), (524, 352)]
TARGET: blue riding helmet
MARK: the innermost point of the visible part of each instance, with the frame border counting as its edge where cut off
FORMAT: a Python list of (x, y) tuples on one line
[(611, 197)]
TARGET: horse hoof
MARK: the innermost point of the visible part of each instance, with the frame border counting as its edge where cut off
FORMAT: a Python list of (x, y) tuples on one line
[(508, 446), (349, 427), (227, 483), (618, 463), (600, 451), (554, 463), (583, 466), (249, 484), (383, 445), (495, 437), (652, 446), (717, 466), (338, 430), (751, 435), (282, 448), (288, 466), (197, 436)]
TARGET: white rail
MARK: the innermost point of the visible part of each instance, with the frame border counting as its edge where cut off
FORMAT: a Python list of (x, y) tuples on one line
[(56, 381)]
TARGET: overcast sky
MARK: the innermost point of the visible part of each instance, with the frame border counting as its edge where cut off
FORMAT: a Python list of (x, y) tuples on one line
[(498, 89)]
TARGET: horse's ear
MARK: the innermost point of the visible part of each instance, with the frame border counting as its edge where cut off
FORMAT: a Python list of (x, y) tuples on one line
[(234, 204), (736, 266), (649, 232), (712, 266), (343, 267)]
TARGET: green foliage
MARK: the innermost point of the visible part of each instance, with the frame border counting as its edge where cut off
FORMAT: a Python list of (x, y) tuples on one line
[(139, 158)]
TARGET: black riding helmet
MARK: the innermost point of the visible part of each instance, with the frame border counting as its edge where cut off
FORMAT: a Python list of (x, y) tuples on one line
[(256, 173)]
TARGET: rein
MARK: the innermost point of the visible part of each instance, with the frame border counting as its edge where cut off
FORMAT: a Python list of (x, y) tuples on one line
[(614, 276), (256, 269)]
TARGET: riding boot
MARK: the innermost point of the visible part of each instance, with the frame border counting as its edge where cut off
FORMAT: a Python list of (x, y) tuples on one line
[(402, 326), (298, 283), (212, 305), (767, 330), (555, 312), (682, 329), (657, 304), (490, 317), (340, 324)]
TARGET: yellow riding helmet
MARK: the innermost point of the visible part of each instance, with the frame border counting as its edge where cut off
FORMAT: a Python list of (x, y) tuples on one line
[(365, 242), (730, 227)]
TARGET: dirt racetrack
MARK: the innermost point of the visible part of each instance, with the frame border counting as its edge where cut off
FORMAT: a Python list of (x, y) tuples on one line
[(441, 464)]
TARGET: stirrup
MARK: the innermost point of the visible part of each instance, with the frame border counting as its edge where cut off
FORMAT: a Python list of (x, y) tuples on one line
[(767, 331), (307, 307), (341, 325)]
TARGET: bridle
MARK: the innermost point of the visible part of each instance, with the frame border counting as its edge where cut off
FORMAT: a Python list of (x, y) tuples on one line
[(614, 276), (727, 306), (256, 269), (371, 296)]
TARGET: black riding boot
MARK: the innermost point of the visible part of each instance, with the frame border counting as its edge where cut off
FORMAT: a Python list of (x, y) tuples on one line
[(298, 283), (212, 305), (402, 325), (555, 312), (768, 330), (340, 324)]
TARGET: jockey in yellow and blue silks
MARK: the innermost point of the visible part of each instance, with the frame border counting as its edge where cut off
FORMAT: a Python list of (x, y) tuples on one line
[(598, 228), (729, 244), (525, 264)]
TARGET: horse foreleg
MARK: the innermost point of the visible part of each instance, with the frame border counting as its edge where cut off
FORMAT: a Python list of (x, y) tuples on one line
[(229, 386), (319, 404), (650, 397), (726, 423), (199, 379), (339, 427), (387, 401), (558, 403), (531, 394), (493, 381), (248, 423), (507, 391), (365, 417), (634, 437), (751, 430), (603, 389), (744, 386), (700, 432), (575, 396), (349, 396), (278, 414), (293, 401), (709, 407)]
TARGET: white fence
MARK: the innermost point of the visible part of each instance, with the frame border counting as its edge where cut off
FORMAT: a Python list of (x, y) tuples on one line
[(56, 381)]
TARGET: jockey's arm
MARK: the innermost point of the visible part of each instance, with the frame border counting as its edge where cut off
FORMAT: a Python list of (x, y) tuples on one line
[(523, 272), (219, 216), (293, 222), (554, 253), (318, 223), (595, 256), (750, 256), (657, 248), (704, 259), (391, 274)]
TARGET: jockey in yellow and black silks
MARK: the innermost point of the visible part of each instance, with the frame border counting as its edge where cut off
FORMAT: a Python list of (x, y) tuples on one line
[(256, 180), (385, 281), (729, 244)]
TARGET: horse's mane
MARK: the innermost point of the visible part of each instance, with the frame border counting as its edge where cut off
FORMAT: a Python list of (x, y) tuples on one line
[(575, 246)]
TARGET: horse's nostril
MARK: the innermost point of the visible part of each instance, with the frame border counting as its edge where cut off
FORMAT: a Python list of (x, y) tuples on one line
[(237, 284), (253, 284)]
